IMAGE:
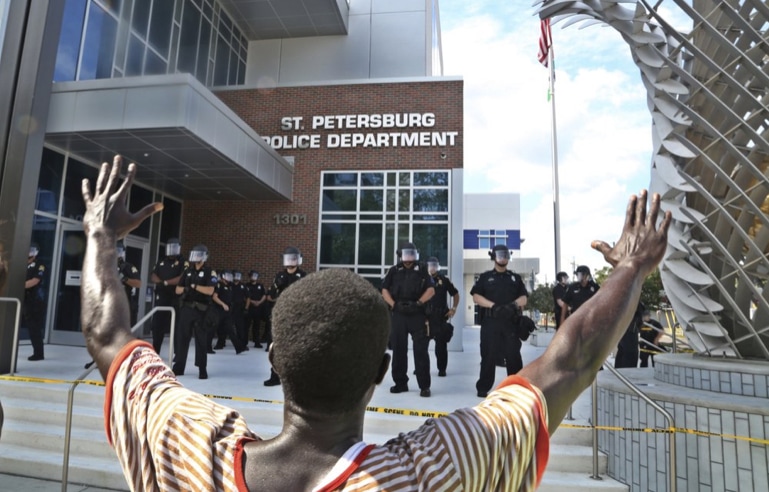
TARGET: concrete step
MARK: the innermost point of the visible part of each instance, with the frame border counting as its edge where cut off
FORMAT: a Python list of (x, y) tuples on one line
[(558, 481), (50, 438)]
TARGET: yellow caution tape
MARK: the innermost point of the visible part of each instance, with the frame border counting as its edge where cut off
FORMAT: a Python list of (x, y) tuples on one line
[(430, 413)]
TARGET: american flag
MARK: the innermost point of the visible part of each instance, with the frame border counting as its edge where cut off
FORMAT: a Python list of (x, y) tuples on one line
[(545, 41)]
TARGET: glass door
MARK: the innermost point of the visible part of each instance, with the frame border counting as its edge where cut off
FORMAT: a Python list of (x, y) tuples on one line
[(137, 254), (65, 328)]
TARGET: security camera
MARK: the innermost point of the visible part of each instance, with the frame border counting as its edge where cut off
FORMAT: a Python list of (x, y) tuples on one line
[(443, 155)]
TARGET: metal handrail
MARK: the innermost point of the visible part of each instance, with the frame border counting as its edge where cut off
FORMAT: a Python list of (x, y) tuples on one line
[(71, 393), (643, 396), (15, 346)]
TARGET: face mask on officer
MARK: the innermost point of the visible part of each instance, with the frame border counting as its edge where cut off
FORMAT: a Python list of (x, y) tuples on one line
[(173, 249)]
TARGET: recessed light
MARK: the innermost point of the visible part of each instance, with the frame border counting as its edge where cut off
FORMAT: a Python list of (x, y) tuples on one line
[(146, 154)]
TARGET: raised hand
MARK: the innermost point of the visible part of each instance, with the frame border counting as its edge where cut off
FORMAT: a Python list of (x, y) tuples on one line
[(642, 243), (106, 210)]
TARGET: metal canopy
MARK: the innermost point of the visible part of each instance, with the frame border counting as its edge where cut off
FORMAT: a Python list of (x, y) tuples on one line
[(272, 19)]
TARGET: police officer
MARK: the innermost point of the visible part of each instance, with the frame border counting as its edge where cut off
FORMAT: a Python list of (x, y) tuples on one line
[(239, 300), (291, 272), (223, 301), (256, 303), (439, 312), (627, 348), (559, 290), (580, 291), (131, 279), (197, 289), (406, 288), (166, 275), (501, 294), (651, 334), (34, 303)]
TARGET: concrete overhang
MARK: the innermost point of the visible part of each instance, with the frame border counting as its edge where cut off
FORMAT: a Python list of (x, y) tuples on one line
[(187, 142), (273, 19)]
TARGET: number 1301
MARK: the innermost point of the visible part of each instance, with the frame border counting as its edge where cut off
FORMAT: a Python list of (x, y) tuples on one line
[(290, 219)]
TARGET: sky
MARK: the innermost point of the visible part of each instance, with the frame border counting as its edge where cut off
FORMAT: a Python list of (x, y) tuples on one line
[(603, 124)]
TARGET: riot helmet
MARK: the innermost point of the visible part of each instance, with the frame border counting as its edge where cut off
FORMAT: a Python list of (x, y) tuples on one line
[(237, 275), (198, 254), (292, 257), (33, 250), (408, 252), (562, 277), (120, 251), (582, 272), (433, 265), (500, 252), (253, 275), (173, 247), (227, 276)]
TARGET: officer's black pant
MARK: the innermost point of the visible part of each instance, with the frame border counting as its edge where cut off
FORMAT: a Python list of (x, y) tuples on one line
[(401, 326), (191, 322), (626, 357), (161, 324), (498, 339), (227, 327), (268, 322), (239, 322), (255, 319), (439, 334), (34, 320)]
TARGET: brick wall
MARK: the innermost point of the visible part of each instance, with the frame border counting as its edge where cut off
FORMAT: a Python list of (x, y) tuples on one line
[(244, 234)]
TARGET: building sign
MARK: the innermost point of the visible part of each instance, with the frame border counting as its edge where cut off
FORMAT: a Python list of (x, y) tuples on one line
[(361, 130)]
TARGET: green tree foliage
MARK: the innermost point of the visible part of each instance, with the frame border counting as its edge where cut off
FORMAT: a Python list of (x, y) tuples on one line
[(541, 299), (651, 291)]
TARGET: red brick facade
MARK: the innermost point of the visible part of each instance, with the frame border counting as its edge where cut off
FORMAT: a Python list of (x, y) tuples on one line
[(244, 234)]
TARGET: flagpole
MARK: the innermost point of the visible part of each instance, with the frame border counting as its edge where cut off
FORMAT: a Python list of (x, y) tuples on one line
[(554, 153)]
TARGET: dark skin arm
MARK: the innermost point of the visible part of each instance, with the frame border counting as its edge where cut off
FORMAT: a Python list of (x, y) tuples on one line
[(585, 339), (104, 316)]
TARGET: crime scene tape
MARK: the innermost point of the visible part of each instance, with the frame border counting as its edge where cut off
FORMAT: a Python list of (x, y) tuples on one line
[(428, 413)]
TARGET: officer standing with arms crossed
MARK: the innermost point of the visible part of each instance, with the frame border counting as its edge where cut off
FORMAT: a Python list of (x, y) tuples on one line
[(438, 313), (501, 295), (34, 306), (291, 273), (131, 279), (166, 276), (406, 288), (196, 288), (255, 306)]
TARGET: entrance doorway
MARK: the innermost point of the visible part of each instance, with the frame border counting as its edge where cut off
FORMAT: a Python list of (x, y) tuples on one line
[(66, 320)]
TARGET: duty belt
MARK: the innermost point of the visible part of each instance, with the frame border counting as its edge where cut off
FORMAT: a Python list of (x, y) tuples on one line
[(200, 306)]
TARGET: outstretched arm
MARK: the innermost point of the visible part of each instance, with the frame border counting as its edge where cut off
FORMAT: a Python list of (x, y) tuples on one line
[(104, 317), (585, 339)]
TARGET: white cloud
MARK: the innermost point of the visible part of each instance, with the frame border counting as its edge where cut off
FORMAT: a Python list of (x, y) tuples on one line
[(604, 128)]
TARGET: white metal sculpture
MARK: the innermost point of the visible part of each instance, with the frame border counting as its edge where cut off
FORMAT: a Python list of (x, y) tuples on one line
[(707, 91)]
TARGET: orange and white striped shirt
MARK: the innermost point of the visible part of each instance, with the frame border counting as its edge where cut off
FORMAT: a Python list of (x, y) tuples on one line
[(170, 438)]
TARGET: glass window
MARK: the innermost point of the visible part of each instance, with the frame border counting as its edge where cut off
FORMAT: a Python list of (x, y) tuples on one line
[(141, 16), (153, 64), (431, 179), (389, 244), (99, 45), (370, 244), (241, 72), (484, 243), (372, 179), (203, 47), (133, 64), (337, 243), (69, 41), (339, 200), (500, 240), (221, 61), (432, 240), (391, 200), (49, 182), (140, 197), (233, 77), (73, 197), (371, 200), (498, 232), (436, 200), (170, 220), (160, 26), (390, 179), (404, 200), (340, 179), (188, 40), (404, 179), (113, 5), (483, 232)]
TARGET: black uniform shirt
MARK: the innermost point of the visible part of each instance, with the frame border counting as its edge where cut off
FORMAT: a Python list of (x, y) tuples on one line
[(256, 291), (500, 287), (239, 295), (128, 271), (442, 286), (168, 268), (577, 295), (282, 280), (558, 292), (35, 270), (205, 277), (224, 292), (648, 334)]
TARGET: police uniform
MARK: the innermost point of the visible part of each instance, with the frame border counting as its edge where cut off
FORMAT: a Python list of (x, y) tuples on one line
[(578, 294), (225, 293), (437, 308), (627, 348), (282, 281), (558, 292), (648, 335), (127, 271), (256, 293), (406, 286), (165, 269), (499, 337), (192, 318), (34, 309), (238, 307)]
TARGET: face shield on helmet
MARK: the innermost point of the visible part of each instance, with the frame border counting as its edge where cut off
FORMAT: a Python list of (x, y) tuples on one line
[(120, 252), (433, 265), (582, 273), (198, 254), (227, 276), (500, 255), (33, 251), (409, 254), (237, 276), (173, 248), (254, 276), (292, 257)]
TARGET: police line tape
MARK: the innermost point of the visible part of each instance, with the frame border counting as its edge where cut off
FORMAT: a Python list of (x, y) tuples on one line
[(430, 414)]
